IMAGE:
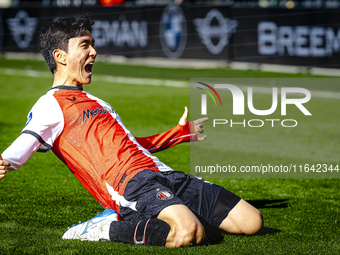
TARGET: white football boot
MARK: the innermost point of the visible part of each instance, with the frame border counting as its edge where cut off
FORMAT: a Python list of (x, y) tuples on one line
[(94, 229)]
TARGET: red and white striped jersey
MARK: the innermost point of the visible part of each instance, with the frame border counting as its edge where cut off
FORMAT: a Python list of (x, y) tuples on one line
[(90, 138)]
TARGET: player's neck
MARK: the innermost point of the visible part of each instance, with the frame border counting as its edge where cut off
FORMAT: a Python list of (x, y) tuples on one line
[(64, 80)]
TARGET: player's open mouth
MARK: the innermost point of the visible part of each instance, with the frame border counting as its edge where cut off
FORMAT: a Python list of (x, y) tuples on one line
[(88, 67)]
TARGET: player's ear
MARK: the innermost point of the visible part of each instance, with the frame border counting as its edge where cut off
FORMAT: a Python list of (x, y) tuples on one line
[(59, 56)]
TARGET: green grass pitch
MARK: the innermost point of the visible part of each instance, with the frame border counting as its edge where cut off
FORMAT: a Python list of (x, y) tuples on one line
[(38, 202)]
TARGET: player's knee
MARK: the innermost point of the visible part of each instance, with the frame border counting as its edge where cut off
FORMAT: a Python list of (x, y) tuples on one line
[(256, 223)]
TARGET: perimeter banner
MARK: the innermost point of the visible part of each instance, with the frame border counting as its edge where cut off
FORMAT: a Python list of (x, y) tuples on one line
[(278, 36), (266, 128)]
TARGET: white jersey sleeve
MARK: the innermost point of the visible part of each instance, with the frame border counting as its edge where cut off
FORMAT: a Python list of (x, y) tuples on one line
[(44, 124)]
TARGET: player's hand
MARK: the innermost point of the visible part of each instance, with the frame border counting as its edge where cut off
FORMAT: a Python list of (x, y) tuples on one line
[(3, 165), (197, 124)]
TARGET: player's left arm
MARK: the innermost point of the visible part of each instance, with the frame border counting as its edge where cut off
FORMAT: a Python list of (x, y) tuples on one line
[(184, 132)]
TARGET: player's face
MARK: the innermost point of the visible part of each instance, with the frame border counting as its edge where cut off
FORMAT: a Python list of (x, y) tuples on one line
[(80, 59)]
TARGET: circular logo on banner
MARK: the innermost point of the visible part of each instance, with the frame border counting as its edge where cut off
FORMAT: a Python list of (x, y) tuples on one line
[(173, 31), (164, 195)]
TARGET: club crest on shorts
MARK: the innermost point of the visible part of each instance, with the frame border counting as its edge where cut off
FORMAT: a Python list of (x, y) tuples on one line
[(164, 195)]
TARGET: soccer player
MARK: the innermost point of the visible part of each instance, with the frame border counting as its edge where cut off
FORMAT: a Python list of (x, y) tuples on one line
[(155, 204)]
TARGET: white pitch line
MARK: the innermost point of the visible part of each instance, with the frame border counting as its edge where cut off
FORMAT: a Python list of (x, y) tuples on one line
[(106, 78), (142, 81), (25, 73), (152, 82)]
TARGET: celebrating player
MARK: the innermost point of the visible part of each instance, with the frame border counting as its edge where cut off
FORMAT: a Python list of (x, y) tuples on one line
[(155, 204)]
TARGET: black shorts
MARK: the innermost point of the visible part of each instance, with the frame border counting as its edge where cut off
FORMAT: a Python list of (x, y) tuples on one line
[(153, 191)]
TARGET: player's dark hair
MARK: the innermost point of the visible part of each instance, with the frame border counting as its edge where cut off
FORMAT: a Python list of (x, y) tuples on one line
[(56, 34)]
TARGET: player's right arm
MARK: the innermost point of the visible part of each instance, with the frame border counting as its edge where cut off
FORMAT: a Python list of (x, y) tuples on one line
[(44, 124), (17, 154), (3, 167)]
